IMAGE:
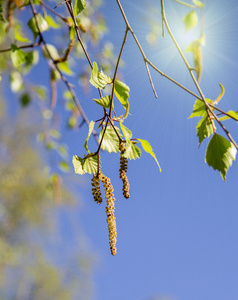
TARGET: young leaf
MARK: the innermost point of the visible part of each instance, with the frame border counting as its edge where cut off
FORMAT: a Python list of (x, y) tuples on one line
[(98, 79), (19, 36), (198, 3), (199, 109), (147, 147), (90, 164), (127, 133), (232, 114), (79, 6), (190, 20), (43, 25), (110, 141), (78, 165), (18, 56), (90, 130), (64, 67), (104, 101), (84, 165), (16, 81), (122, 93), (52, 50), (132, 151), (51, 22), (204, 129), (220, 154)]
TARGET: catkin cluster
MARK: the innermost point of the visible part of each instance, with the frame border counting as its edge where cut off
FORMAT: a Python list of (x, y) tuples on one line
[(123, 170), (111, 220), (97, 196)]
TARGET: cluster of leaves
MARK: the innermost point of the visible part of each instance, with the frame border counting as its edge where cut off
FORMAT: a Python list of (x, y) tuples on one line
[(220, 151)]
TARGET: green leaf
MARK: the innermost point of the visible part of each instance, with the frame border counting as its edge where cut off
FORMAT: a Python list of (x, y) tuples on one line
[(51, 22), (64, 67), (132, 151), (90, 164), (18, 56), (198, 3), (79, 6), (199, 109), (184, 3), (25, 100), (126, 132), (104, 101), (16, 82), (232, 114), (147, 147), (221, 94), (42, 23), (122, 93), (190, 20), (19, 36), (220, 154), (204, 129), (52, 50), (84, 165), (110, 141), (78, 165), (40, 91), (64, 166), (98, 79), (90, 130)]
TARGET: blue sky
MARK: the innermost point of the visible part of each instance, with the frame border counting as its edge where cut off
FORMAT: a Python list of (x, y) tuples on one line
[(177, 234)]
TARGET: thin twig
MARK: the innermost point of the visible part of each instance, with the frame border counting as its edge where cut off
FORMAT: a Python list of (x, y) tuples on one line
[(23, 46), (69, 86)]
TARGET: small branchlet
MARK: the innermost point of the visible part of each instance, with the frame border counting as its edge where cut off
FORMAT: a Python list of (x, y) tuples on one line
[(123, 170)]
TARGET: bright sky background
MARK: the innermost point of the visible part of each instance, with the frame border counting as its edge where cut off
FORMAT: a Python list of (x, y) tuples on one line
[(178, 233)]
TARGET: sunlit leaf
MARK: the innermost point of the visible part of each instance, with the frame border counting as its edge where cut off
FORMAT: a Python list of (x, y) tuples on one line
[(40, 91), (122, 93), (16, 82), (51, 22), (90, 130), (98, 79), (64, 67), (199, 109), (232, 114), (18, 56), (104, 101), (52, 51), (126, 132), (132, 151), (42, 23), (88, 164), (79, 6), (110, 141), (64, 166), (198, 3), (190, 20), (147, 147), (220, 154), (78, 165), (204, 129), (19, 36)]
